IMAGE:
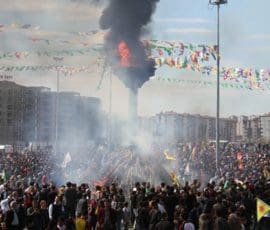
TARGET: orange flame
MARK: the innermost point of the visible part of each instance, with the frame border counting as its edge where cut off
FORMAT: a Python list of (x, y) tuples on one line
[(124, 53)]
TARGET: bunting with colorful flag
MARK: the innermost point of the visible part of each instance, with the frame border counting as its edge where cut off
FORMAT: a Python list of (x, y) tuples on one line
[(204, 83), (52, 53)]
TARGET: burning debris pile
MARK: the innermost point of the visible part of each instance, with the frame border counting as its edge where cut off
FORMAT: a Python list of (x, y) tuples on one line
[(124, 166), (131, 167)]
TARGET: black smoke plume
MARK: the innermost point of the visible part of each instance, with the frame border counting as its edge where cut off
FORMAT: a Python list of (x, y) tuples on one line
[(125, 20)]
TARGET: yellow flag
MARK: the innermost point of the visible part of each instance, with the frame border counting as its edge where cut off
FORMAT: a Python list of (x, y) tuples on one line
[(174, 178), (262, 208)]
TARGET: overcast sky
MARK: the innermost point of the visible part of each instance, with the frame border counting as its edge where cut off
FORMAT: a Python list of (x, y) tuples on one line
[(245, 42)]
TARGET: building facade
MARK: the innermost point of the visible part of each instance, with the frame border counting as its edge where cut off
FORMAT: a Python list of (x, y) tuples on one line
[(171, 127), (265, 128), (30, 115)]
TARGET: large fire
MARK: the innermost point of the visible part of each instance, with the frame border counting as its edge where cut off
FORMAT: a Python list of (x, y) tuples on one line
[(125, 54)]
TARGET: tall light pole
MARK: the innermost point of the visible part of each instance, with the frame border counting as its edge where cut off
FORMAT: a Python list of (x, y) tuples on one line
[(57, 60), (110, 114), (217, 3)]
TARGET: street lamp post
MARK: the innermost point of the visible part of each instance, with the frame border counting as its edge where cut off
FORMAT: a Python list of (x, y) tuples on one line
[(110, 114), (217, 3), (57, 60)]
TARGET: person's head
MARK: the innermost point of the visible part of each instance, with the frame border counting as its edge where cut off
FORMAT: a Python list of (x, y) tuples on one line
[(164, 216), (53, 187), (153, 204), (57, 200), (107, 204), (44, 186), (101, 204), (43, 204), (68, 184), (204, 222), (218, 210), (13, 205), (61, 221), (234, 221), (14, 195)]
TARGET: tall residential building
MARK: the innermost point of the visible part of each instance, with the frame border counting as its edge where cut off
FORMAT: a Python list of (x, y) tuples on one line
[(28, 114), (254, 129), (11, 112), (249, 129), (242, 128), (171, 127), (265, 128)]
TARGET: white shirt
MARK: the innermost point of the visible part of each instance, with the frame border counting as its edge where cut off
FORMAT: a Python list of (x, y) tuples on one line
[(4, 205)]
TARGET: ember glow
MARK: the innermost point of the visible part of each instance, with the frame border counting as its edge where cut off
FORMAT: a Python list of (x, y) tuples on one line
[(124, 54)]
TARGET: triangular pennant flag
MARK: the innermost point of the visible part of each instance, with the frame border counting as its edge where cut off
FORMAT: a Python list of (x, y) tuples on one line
[(262, 209)]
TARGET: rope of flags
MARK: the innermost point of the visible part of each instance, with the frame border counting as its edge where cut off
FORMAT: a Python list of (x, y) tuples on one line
[(176, 49), (66, 70), (174, 54), (256, 79), (205, 83), (51, 53), (14, 25)]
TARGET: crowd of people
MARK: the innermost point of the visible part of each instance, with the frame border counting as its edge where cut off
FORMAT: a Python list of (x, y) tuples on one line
[(31, 196)]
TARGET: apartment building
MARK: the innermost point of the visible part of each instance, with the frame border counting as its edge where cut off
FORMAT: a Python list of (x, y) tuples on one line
[(28, 114)]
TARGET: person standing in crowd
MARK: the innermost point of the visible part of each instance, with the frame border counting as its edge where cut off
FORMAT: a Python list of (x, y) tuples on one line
[(56, 210), (70, 200), (154, 215), (12, 219), (44, 214), (100, 212), (82, 205), (142, 219), (220, 222), (126, 216), (80, 222), (33, 220), (164, 224)]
